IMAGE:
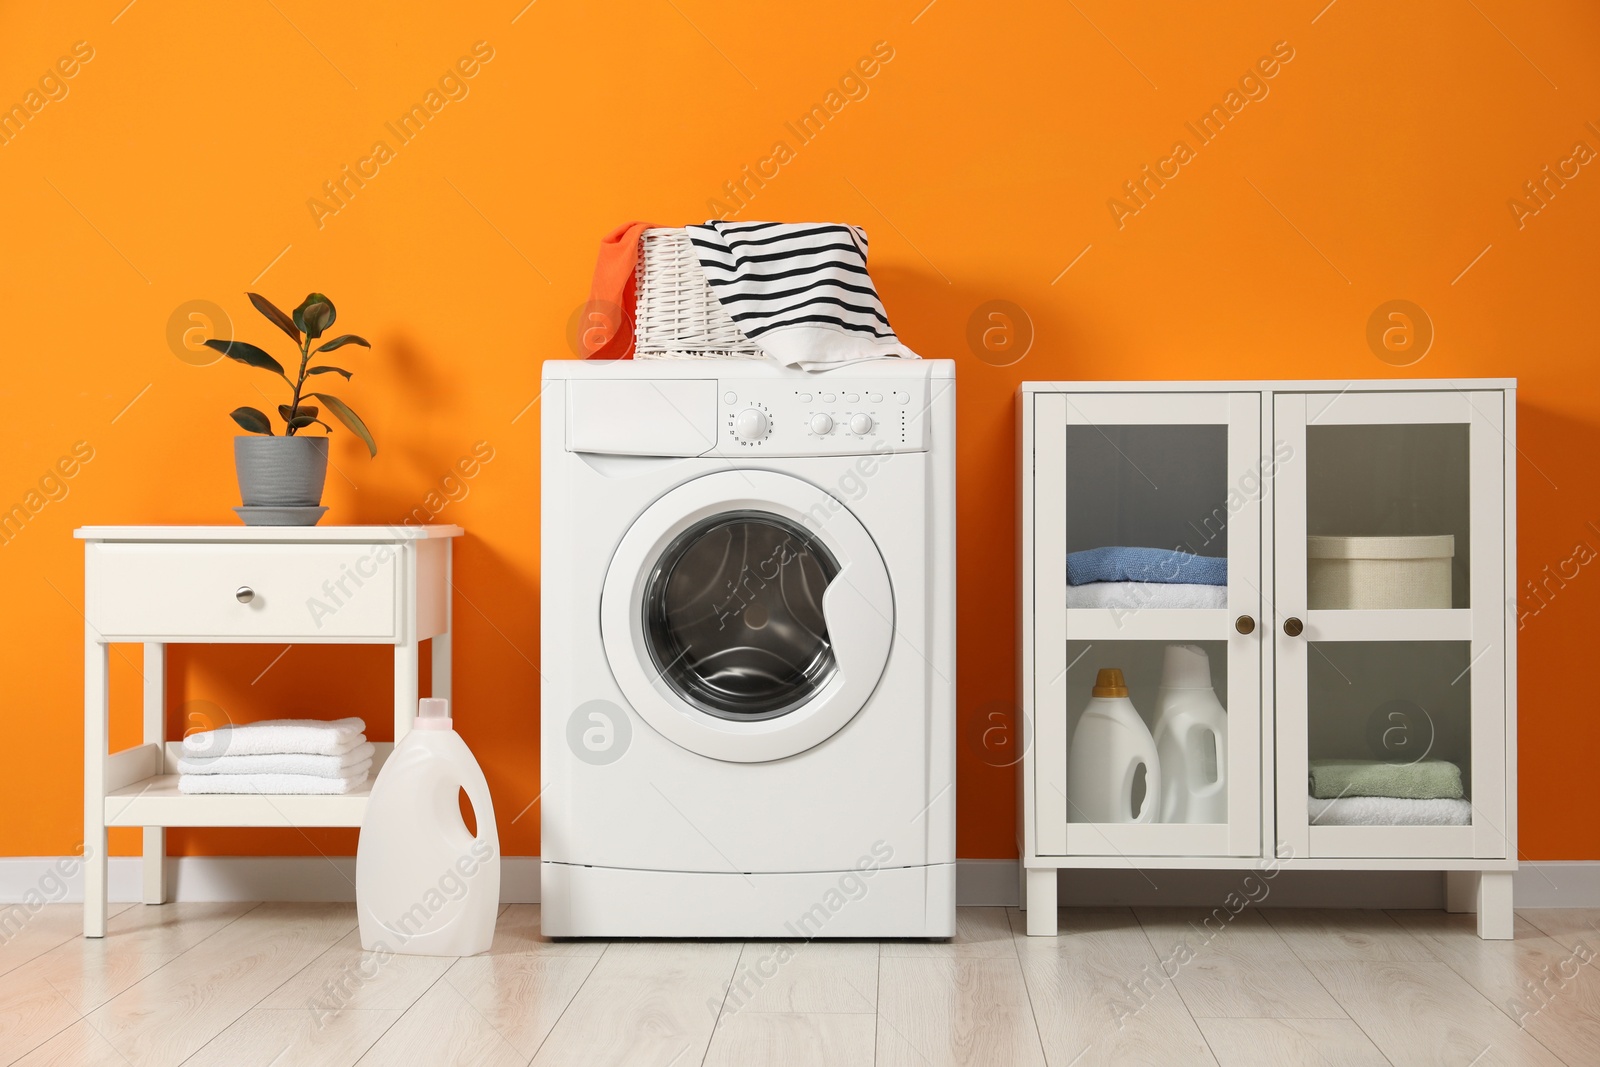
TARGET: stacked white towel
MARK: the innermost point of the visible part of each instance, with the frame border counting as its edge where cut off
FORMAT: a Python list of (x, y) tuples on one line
[(1131, 596), (295, 756), (1388, 811)]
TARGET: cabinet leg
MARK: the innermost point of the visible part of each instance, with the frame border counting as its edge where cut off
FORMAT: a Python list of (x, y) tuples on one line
[(155, 733), (406, 660), (441, 665), (96, 697), (1460, 891), (1041, 894), (155, 865), (1495, 917), (441, 641), (1022, 885)]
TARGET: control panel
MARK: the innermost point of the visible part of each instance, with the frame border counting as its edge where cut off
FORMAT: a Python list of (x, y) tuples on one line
[(821, 418)]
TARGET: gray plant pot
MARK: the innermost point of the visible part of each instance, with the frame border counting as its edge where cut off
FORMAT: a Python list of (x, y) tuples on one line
[(280, 471)]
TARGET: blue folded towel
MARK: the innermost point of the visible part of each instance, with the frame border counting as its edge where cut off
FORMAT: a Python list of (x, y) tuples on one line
[(1116, 563)]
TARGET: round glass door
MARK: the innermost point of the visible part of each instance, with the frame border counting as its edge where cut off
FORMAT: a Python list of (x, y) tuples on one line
[(733, 615), (746, 615)]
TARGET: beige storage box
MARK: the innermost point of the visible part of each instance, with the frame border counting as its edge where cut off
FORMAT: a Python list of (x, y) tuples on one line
[(1344, 573)]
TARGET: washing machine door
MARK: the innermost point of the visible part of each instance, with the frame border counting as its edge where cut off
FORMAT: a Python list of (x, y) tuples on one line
[(747, 615)]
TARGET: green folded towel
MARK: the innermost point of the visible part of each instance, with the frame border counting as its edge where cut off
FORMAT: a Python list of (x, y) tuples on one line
[(1430, 779)]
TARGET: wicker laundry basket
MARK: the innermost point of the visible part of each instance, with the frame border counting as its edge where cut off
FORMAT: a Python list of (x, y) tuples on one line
[(1347, 573), (678, 316)]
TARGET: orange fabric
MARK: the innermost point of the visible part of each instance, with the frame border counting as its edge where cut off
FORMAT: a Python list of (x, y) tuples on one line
[(606, 329)]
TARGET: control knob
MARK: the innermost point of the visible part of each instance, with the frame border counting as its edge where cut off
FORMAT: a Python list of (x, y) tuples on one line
[(751, 425), (861, 424), (821, 424)]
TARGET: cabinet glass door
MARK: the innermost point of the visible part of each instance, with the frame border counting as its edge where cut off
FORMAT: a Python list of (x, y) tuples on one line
[(1148, 531), (1389, 549)]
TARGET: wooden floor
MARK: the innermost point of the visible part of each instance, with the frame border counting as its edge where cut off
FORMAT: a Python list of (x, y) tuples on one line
[(238, 985)]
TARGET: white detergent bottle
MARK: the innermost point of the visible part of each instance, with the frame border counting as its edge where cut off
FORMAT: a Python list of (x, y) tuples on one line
[(425, 886), (1192, 739), (1109, 747)]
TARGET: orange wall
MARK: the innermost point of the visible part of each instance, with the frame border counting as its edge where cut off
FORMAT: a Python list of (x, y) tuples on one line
[(177, 163)]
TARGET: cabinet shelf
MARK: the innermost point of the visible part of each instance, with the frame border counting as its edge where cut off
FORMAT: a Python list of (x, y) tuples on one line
[(1148, 624), (154, 800), (1439, 624)]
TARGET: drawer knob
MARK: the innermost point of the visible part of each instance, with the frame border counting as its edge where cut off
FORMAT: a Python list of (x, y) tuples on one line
[(1244, 624), (244, 594), (1293, 626)]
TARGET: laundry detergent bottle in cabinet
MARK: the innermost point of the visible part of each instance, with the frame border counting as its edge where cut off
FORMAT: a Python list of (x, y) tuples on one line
[(425, 885), (1192, 739), (1109, 747)]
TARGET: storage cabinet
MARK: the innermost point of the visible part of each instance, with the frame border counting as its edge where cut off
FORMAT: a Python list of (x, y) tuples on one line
[(161, 585), (1367, 531)]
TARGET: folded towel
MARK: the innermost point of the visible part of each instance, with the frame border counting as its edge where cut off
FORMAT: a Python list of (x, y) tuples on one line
[(800, 291), (286, 784), (1116, 563), (1388, 811), (278, 763), (1133, 595), (313, 737), (1427, 779)]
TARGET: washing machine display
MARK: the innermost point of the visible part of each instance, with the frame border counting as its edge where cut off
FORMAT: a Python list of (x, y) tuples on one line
[(733, 616)]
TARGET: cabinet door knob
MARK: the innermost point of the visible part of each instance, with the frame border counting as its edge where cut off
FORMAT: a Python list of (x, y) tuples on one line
[(1245, 624), (1293, 626), (244, 594)]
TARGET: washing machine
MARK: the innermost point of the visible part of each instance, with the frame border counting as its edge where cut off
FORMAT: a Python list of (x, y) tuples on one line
[(748, 649)]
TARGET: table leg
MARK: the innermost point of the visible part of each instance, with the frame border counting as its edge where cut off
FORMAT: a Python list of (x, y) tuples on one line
[(96, 721), (406, 664), (441, 641), (155, 733)]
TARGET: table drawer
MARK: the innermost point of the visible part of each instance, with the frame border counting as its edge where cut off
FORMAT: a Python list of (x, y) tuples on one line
[(330, 592)]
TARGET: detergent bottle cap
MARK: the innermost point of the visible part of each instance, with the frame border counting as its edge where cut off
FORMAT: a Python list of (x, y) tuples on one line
[(1109, 683), (1186, 667), (433, 713)]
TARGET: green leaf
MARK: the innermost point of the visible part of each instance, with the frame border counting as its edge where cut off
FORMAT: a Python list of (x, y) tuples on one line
[(300, 422), (330, 370), (314, 315), (290, 414), (349, 418), (279, 319), (342, 340), (247, 354), (252, 420)]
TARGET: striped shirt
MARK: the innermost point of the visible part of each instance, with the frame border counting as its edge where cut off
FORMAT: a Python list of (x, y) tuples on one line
[(800, 291)]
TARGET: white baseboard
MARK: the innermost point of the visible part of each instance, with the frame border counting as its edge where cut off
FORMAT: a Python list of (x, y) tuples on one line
[(228, 878), (979, 883), (1557, 884)]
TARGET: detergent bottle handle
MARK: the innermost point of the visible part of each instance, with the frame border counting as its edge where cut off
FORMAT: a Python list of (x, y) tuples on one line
[(1152, 789), (1212, 787), (477, 790)]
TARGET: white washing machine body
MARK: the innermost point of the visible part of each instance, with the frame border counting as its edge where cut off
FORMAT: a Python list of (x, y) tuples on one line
[(748, 653)]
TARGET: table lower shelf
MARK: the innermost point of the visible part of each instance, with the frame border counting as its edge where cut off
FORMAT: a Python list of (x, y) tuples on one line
[(154, 800)]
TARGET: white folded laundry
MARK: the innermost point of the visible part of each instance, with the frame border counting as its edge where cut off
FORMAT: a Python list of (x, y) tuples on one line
[(1131, 596), (281, 784), (312, 737), (279, 763), (1388, 811)]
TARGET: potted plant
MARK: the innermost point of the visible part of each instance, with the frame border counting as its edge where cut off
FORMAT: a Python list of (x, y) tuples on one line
[(281, 476)]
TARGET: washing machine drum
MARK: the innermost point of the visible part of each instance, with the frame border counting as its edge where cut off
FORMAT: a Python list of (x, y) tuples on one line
[(747, 615)]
